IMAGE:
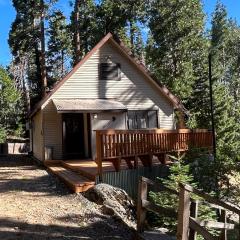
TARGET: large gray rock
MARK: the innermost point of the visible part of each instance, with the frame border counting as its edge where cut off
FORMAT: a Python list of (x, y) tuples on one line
[(114, 201)]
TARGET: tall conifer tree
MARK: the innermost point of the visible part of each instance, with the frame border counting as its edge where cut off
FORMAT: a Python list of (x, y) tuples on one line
[(177, 29), (59, 49)]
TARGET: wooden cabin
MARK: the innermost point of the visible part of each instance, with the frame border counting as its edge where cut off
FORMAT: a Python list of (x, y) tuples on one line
[(107, 89)]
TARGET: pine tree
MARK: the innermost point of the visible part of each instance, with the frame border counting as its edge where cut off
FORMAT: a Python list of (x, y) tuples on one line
[(58, 46), (27, 41), (83, 26), (177, 30), (226, 111), (11, 109), (123, 19)]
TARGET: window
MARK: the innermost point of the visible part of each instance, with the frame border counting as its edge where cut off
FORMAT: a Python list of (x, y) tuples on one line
[(109, 71), (142, 119)]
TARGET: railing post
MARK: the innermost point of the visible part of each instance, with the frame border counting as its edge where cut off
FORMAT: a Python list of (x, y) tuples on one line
[(223, 218), (141, 212), (99, 146), (149, 148), (194, 214), (183, 213)]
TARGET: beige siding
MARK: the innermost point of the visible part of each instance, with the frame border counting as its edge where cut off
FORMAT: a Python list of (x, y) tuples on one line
[(133, 90), (52, 123), (105, 121), (37, 136)]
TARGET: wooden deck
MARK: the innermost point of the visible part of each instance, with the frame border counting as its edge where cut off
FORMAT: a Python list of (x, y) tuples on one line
[(119, 150), (80, 175)]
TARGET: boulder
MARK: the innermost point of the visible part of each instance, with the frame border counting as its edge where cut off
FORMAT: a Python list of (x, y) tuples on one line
[(114, 201)]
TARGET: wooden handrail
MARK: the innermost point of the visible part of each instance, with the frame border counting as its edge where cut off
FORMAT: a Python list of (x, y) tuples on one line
[(188, 223), (210, 199)]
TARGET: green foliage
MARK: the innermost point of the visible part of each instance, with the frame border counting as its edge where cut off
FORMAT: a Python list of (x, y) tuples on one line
[(96, 19), (3, 134), (24, 41), (86, 25), (10, 101), (177, 52), (58, 46), (177, 43), (180, 172), (225, 35), (203, 169)]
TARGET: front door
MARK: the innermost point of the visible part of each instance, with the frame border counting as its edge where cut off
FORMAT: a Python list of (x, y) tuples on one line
[(73, 136)]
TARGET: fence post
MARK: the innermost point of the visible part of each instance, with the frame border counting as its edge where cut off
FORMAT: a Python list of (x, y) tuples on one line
[(183, 213), (223, 218), (99, 147), (141, 212), (194, 214), (239, 227)]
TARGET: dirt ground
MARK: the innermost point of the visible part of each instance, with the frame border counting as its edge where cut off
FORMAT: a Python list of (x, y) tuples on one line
[(35, 205)]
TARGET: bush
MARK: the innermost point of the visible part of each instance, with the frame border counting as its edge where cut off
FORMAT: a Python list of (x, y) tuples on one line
[(180, 172)]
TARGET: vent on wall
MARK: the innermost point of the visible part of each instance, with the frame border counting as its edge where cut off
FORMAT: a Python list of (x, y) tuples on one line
[(109, 71)]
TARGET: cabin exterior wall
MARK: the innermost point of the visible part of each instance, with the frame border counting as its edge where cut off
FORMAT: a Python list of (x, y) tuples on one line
[(133, 90)]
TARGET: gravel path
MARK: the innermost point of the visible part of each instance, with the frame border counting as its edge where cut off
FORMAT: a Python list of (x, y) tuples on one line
[(35, 205)]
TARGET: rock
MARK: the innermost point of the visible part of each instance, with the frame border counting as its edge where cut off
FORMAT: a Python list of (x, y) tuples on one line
[(114, 201)]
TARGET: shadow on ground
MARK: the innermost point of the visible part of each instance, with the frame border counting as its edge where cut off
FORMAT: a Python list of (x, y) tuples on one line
[(15, 176), (99, 230)]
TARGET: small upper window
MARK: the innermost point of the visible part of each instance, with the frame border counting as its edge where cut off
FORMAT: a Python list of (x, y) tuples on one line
[(109, 71)]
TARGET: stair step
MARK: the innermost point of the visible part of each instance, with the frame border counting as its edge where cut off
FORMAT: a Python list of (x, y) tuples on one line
[(89, 172), (47, 163), (75, 182)]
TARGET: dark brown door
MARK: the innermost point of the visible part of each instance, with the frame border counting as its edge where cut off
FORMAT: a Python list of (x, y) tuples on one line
[(73, 136)]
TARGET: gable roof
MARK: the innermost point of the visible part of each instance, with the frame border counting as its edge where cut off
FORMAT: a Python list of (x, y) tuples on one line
[(125, 51)]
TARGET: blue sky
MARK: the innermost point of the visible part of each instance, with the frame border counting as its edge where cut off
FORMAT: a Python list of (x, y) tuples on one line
[(7, 15)]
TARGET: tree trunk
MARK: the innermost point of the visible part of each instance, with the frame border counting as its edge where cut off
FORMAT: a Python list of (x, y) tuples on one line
[(132, 37), (25, 86), (42, 51), (77, 39), (62, 63)]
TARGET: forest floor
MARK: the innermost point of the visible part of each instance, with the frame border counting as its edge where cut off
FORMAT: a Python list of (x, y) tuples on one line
[(35, 205)]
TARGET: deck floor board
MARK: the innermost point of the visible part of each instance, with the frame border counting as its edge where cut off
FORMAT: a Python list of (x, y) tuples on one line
[(80, 175)]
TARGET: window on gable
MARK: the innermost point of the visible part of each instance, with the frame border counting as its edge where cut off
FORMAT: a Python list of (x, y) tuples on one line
[(141, 119), (109, 71)]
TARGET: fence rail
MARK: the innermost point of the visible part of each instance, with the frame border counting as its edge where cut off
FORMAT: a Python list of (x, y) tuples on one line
[(188, 224), (116, 144)]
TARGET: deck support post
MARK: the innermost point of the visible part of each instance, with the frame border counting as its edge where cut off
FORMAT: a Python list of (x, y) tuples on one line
[(99, 146), (135, 161)]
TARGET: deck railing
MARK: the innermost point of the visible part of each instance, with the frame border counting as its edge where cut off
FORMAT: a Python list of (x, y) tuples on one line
[(115, 144)]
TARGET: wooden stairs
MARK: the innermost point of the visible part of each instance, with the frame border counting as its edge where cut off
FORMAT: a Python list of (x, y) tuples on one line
[(80, 175), (76, 182)]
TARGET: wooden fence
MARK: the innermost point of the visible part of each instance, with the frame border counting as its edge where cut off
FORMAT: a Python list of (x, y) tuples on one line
[(116, 144), (188, 225)]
